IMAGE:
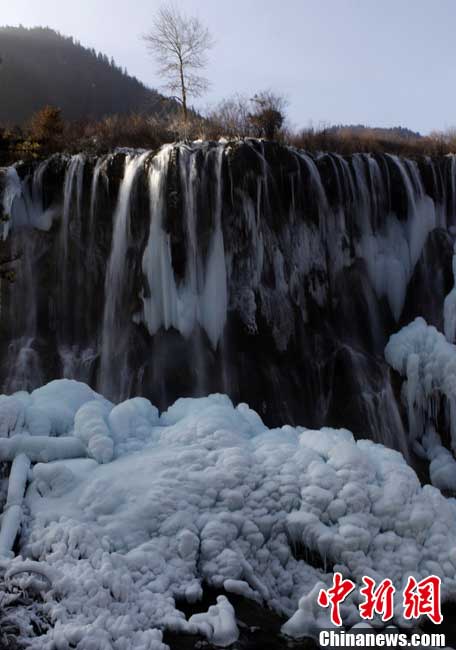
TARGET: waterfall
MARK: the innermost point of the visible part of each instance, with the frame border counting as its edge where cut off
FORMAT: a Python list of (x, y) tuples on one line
[(73, 349), (159, 306), (71, 218), (22, 204), (201, 295), (72, 197), (214, 299), (246, 267), (452, 179), (11, 192), (97, 173), (113, 374)]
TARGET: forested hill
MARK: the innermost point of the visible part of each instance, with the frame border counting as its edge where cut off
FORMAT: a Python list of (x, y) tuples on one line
[(38, 66), (360, 129)]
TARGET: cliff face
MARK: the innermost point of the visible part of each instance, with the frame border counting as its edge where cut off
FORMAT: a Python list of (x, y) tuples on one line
[(245, 268)]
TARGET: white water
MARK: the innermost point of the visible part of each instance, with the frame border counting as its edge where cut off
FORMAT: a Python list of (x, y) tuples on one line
[(72, 207), (113, 350)]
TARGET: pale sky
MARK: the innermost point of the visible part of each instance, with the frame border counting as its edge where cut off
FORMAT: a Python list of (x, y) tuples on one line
[(376, 62)]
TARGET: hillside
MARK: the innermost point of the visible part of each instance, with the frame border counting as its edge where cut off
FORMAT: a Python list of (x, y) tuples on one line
[(386, 132), (38, 66)]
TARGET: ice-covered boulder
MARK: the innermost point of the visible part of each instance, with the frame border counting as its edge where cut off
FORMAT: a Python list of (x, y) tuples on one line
[(218, 624)]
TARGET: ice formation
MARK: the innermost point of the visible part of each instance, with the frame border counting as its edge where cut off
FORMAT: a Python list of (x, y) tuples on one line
[(202, 296), (309, 619), (442, 465), (218, 625), (449, 309), (206, 493), (421, 354), (391, 254), (12, 509), (12, 191), (427, 361), (22, 204)]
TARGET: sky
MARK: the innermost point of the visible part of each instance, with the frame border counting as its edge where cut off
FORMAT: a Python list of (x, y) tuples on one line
[(373, 62)]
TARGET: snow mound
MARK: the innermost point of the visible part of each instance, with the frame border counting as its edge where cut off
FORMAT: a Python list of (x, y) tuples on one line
[(207, 494), (61, 399)]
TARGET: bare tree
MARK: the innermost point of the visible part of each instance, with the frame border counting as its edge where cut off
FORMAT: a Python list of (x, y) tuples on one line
[(269, 114), (232, 117), (180, 45)]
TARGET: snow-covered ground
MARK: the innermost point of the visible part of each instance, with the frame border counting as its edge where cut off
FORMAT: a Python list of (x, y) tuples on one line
[(206, 493)]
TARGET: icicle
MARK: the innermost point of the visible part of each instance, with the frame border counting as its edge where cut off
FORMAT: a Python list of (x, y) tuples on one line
[(201, 297), (12, 512), (17, 480), (160, 307), (41, 448)]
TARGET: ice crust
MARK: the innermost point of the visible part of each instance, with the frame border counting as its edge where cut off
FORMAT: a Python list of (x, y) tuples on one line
[(206, 493)]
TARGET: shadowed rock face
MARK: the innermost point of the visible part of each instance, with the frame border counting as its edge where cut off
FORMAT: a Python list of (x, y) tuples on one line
[(247, 268)]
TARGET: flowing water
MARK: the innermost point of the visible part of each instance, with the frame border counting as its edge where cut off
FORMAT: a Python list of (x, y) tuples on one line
[(246, 268)]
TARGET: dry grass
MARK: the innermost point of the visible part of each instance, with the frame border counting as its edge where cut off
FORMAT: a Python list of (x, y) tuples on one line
[(346, 141), (228, 120)]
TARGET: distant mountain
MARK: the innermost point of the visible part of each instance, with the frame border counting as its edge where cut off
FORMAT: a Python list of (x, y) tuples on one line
[(397, 131), (39, 66)]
